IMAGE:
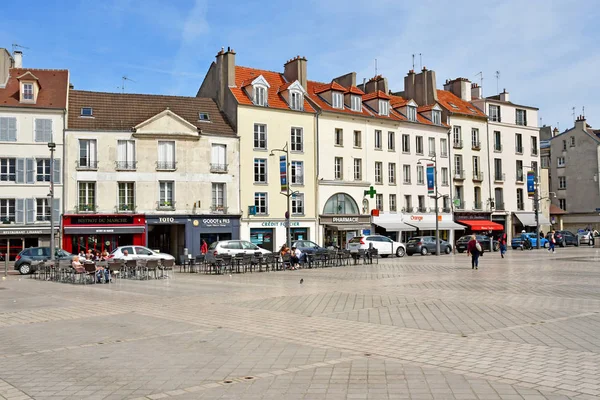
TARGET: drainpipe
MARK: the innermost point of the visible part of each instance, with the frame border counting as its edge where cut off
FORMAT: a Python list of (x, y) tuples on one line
[(490, 199), (451, 178), (240, 189), (64, 183), (319, 236)]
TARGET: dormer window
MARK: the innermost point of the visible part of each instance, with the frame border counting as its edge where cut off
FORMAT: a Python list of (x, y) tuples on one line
[(87, 112), (28, 92), (356, 103), (337, 100), (411, 113), (436, 116), (384, 107), (204, 117), (296, 100), (260, 95)]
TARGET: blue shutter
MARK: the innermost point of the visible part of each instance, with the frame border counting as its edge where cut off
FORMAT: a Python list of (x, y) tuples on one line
[(56, 210), (30, 175), (56, 170), (20, 170), (30, 209), (20, 211)]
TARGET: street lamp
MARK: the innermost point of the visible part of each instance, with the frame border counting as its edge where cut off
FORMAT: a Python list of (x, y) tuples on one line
[(437, 228), (536, 204), (287, 193), (52, 147)]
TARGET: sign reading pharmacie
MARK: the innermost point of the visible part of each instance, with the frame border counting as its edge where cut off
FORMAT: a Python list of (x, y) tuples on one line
[(344, 219)]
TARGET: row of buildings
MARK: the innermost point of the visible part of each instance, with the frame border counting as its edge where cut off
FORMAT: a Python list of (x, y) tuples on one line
[(169, 172)]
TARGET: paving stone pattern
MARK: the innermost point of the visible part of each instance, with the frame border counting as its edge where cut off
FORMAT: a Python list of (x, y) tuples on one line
[(524, 327)]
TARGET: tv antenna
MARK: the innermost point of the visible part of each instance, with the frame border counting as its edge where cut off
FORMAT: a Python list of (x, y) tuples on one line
[(480, 81), (497, 82), (123, 79), (16, 46), (573, 113), (375, 67), (583, 111), (421, 60), (413, 56)]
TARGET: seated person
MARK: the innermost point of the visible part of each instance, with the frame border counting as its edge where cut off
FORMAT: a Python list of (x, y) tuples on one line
[(296, 256), (102, 272), (104, 256), (77, 265), (89, 255)]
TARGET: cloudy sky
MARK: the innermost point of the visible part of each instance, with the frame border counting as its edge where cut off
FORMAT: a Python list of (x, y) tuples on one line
[(547, 52)]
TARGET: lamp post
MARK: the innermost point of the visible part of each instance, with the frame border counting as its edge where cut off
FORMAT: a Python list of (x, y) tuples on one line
[(436, 196), (287, 193), (536, 206), (52, 147)]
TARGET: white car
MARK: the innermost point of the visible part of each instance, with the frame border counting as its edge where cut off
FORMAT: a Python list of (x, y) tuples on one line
[(384, 245), (138, 253), (232, 248)]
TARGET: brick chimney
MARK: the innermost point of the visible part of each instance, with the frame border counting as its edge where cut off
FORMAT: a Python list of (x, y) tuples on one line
[(295, 69), (555, 132), (460, 87), (476, 92), (346, 80), (376, 83), (421, 87), (226, 73)]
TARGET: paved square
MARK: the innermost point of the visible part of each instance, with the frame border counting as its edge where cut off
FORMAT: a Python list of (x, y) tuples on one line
[(523, 327)]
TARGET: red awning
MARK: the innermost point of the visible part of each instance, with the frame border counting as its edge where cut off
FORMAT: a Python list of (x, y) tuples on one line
[(481, 225)]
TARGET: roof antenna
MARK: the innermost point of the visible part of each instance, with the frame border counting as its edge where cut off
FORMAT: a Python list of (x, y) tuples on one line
[(16, 46), (421, 60), (480, 81), (375, 67), (583, 112), (497, 81), (413, 62), (123, 79), (573, 113)]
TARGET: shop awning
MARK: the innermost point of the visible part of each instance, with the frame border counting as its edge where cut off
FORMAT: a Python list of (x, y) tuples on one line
[(98, 230), (430, 226), (348, 227), (395, 226), (482, 225), (528, 219)]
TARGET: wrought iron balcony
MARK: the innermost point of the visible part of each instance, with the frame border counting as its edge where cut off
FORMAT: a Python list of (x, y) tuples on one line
[(218, 168), (166, 165), (459, 175), (124, 208), (85, 164), (457, 144), (218, 209), (476, 145), (86, 208), (126, 165), (165, 205), (477, 176)]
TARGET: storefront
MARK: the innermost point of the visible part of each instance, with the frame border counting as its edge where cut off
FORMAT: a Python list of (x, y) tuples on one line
[(525, 221), (393, 226), (14, 238), (339, 229), (271, 235), (102, 232), (402, 226)]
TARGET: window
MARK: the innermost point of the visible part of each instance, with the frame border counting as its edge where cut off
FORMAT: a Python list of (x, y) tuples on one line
[(7, 210), (419, 144), (357, 139), (126, 154), (498, 199), (444, 171), (204, 117), (437, 117), (443, 147), (453, 105), (338, 168), (378, 172), (43, 170), (8, 169), (572, 141), (518, 143), (28, 91), (338, 100), (411, 113), (476, 166), (260, 202), (340, 203), (356, 103), (379, 201), (43, 130), (420, 175), (406, 172), (519, 171), (534, 167), (477, 198), (392, 173), (498, 175), (43, 211), (126, 196), (560, 162), (297, 102), (357, 169), (562, 182), (298, 204), (339, 137), (421, 200), (494, 113), (458, 166), (260, 170), (431, 146), (446, 204), (297, 172), (497, 141), (392, 141), (297, 140), (457, 136), (8, 129), (218, 198), (165, 195), (534, 146), (218, 161), (392, 202), (405, 143), (564, 145), (521, 117), (562, 203), (166, 155), (458, 193), (87, 154), (407, 202), (260, 136), (545, 162), (475, 144), (260, 95), (520, 203), (378, 140), (87, 112), (384, 107), (87, 196)]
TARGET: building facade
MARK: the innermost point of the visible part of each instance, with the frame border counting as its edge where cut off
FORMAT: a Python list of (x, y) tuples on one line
[(32, 115), (152, 170)]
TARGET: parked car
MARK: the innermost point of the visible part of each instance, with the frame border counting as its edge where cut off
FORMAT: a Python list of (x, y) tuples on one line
[(586, 237), (484, 241), (426, 244), (517, 242), (32, 255), (232, 248), (565, 238), (307, 247), (384, 245), (138, 253)]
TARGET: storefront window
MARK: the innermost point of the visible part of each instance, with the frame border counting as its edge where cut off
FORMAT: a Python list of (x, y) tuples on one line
[(340, 203), (263, 238)]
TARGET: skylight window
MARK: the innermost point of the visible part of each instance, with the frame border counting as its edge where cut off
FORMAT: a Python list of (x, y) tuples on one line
[(453, 105), (87, 112), (472, 110), (204, 117)]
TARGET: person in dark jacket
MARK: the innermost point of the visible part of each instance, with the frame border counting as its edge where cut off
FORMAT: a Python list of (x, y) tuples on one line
[(474, 252)]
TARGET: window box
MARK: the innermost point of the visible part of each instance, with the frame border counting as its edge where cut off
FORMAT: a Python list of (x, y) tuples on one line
[(165, 205), (218, 168), (86, 208), (125, 208)]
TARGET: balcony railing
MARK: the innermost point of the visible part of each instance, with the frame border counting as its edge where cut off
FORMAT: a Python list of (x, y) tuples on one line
[(126, 165), (499, 206), (218, 209), (499, 177), (460, 205), (477, 176), (86, 208), (457, 144), (476, 145), (519, 178), (519, 149), (459, 175), (42, 218), (422, 209), (476, 205), (166, 165), (218, 168), (431, 153), (165, 205), (446, 209), (497, 148), (124, 208), (87, 164)]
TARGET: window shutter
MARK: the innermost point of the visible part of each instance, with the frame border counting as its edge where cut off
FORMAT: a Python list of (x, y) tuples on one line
[(30, 174), (92, 149), (56, 171), (224, 186), (121, 150), (56, 210), (20, 178), (39, 130), (20, 211), (130, 150), (12, 129), (215, 154), (30, 209)]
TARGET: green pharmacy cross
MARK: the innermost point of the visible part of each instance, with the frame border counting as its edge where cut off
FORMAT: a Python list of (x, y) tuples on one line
[(371, 192)]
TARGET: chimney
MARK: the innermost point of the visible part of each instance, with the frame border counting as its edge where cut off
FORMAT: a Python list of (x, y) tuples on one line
[(376, 83), (226, 73), (555, 132), (476, 91), (580, 123), (295, 69), (421, 87), (6, 63), (461, 87), (18, 56), (346, 80), (409, 85), (504, 96)]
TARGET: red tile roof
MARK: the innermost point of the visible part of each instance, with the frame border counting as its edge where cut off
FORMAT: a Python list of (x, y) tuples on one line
[(556, 210), (243, 75), (355, 90), (322, 104), (54, 84), (399, 102), (462, 106), (330, 86), (378, 94)]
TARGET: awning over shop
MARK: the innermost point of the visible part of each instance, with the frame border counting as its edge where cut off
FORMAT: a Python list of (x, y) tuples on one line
[(482, 225), (528, 219), (347, 227), (430, 226), (395, 226)]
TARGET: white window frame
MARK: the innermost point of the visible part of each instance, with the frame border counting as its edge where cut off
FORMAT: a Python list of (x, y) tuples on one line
[(443, 147), (260, 95), (392, 173), (534, 146), (296, 100), (219, 196), (261, 197), (520, 117), (28, 91), (379, 201), (261, 163), (419, 140), (46, 170), (411, 113), (356, 102), (392, 203), (406, 174), (495, 114), (436, 116), (561, 162), (338, 168), (456, 134), (166, 194), (406, 143), (378, 139), (444, 173), (297, 178), (338, 136), (166, 163), (8, 209), (43, 211), (90, 146), (357, 135), (520, 200), (391, 141), (126, 154), (562, 182), (458, 164), (431, 144), (89, 195), (128, 197), (260, 130), (497, 141), (337, 99), (518, 143), (384, 107), (297, 205), (297, 139), (378, 172), (475, 138), (8, 169), (85, 113), (420, 175), (358, 169)]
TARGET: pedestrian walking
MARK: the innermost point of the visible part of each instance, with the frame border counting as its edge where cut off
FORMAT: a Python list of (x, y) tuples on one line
[(204, 247), (502, 244), (474, 249), (551, 241)]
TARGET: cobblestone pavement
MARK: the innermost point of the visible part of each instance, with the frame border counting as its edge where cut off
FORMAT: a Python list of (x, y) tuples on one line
[(523, 327)]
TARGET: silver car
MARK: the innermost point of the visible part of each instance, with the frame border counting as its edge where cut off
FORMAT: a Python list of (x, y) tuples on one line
[(232, 248), (138, 253)]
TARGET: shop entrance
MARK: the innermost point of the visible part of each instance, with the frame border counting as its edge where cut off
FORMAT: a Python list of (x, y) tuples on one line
[(338, 238), (168, 239), (262, 237), (83, 243)]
